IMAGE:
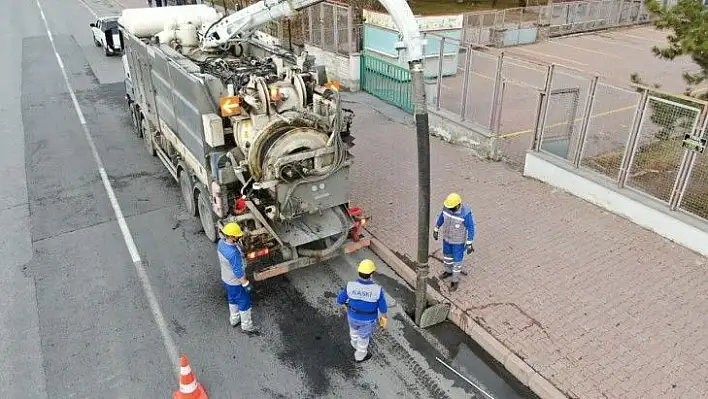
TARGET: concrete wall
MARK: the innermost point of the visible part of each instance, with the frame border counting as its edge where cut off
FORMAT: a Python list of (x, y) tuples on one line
[(342, 68), (675, 226)]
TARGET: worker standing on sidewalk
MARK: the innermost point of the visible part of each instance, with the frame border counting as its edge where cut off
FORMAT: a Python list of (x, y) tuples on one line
[(457, 225), (238, 288), (363, 300)]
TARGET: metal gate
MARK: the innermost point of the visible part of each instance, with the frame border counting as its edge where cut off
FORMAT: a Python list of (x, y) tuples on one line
[(563, 117), (658, 157), (386, 80)]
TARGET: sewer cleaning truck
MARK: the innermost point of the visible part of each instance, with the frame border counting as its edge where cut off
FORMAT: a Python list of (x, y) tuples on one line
[(251, 132)]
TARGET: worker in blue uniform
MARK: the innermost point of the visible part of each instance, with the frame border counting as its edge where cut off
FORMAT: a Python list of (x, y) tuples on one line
[(457, 225), (364, 301), (238, 288)]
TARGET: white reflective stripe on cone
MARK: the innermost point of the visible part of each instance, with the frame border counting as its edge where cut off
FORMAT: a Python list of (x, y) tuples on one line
[(189, 388), (185, 370)]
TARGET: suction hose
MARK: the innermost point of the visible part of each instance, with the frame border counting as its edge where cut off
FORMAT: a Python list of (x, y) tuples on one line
[(321, 253)]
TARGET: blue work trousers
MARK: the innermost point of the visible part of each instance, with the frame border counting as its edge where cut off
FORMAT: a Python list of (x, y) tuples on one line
[(236, 295)]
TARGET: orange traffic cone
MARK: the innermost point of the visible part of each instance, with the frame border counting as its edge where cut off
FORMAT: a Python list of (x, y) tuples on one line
[(189, 388)]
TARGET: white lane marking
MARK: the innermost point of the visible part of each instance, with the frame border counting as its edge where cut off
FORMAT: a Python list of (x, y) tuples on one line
[(558, 43), (465, 378), (549, 56), (127, 236), (83, 3)]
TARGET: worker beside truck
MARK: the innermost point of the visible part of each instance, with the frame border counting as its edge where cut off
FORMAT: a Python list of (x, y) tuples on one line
[(238, 288), (366, 305), (251, 132)]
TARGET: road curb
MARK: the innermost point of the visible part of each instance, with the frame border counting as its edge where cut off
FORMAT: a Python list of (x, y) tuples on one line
[(457, 316)]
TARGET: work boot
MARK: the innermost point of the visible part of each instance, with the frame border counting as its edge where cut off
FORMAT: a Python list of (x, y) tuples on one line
[(444, 275), (367, 357), (453, 286), (234, 317), (246, 321)]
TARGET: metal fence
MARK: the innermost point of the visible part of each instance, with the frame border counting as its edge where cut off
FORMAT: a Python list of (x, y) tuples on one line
[(658, 151), (331, 27), (646, 140), (583, 16), (524, 25)]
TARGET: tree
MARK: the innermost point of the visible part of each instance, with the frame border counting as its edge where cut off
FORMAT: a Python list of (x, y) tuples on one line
[(687, 22)]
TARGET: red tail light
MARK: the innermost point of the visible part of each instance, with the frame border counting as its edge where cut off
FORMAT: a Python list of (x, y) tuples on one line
[(258, 254)]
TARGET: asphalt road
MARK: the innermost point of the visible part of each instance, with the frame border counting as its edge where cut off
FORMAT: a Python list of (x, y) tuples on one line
[(76, 320)]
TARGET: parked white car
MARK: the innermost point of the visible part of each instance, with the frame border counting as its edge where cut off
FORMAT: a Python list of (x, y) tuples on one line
[(106, 34)]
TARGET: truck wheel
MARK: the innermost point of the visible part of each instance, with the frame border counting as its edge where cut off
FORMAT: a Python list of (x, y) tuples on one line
[(95, 42), (207, 217), (187, 192), (135, 116), (147, 137)]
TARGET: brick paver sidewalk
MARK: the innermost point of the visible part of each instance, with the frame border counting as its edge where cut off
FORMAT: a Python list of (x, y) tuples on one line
[(594, 303)]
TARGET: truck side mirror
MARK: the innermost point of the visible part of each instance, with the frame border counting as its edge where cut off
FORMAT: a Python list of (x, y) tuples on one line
[(92, 25)]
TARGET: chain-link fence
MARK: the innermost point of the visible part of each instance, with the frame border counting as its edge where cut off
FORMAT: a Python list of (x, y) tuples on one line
[(614, 112), (515, 115), (654, 164), (650, 141), (331, 27), (533, 23), (584, 16), (695, 198)]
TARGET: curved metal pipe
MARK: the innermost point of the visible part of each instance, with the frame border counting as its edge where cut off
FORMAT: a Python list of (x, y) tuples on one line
[(402, 16), (321, 253)]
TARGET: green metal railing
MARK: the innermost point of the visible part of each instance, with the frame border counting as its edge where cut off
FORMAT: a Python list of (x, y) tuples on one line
[(387, 81)]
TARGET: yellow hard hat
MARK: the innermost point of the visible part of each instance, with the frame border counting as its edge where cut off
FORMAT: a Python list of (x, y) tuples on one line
[(366, 266), (452, 200), (232, 229)]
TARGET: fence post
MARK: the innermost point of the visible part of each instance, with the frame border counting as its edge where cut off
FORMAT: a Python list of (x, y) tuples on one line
[(311, 34), (633, 139), (350, 28), (322, 30), (540, 124), (587, 114), (481, 29), (438, 87), (687, 162), (466, 82), (335, 17), (497, 121), (496, 105)]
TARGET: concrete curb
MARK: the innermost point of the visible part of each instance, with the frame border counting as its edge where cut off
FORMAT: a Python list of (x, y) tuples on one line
[(514, 364)]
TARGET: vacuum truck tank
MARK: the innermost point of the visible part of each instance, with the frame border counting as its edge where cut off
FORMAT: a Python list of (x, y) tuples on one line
[(250, 131)]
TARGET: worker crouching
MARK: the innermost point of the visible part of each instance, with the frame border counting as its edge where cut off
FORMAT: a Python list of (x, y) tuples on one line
[(364, 301), (457, 226), (238, 288)]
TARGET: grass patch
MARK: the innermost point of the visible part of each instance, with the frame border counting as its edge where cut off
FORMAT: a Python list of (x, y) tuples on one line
[(654, 172)]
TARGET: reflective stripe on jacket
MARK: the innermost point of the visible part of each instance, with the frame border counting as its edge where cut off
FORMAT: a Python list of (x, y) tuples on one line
[(364, 299), (458, 227)]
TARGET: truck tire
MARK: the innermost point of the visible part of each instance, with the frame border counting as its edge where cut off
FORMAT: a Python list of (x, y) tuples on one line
[(95, 42), (207, 217), (135, 117), (185, 183), (147, 137)]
